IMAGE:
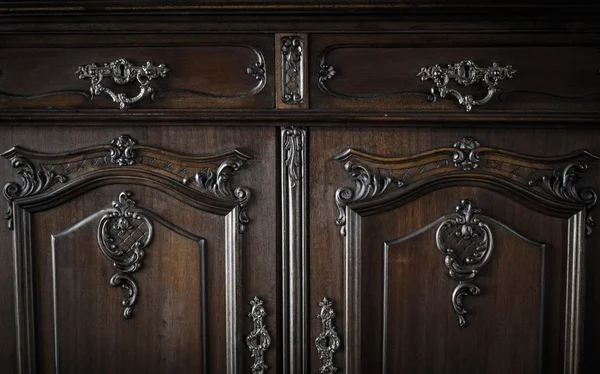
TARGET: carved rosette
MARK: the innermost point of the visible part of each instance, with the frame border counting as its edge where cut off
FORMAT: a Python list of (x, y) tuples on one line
[(259, 339), (328, 341), (217, 184), (368, 184), (292, 86), (121, 152), (294, 142), (467, 245), (123, 233), (35, 179), (466, 157)]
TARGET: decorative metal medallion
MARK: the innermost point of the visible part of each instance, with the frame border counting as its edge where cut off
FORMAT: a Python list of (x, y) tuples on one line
[(467, 245), (123, 233), (465, 73), (292, 75), (259, 339), (328, 341), (122, 71)]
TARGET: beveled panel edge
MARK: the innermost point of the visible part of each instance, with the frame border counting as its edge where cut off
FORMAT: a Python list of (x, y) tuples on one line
[(549, 183)]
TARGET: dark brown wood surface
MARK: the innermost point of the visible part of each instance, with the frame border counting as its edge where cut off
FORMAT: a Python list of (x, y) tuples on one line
[(419, 279), (165, 332)]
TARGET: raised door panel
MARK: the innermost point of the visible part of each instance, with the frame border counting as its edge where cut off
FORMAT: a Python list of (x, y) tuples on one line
[(446, 255), (133, 257)]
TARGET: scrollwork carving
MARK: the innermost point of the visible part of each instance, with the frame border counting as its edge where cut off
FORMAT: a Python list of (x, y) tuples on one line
[(565, 187), (35, 179), (217, 184), (328, 341), (368, 184), (465, 73), (292, 75), (123, 233), (259, 339), (467, 244)]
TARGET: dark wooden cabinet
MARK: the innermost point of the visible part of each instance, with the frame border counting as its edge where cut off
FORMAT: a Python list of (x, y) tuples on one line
[(293, 187)]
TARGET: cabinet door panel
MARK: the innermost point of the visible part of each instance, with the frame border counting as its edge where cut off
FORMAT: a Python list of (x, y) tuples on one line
[(417, 283), (133, 257)]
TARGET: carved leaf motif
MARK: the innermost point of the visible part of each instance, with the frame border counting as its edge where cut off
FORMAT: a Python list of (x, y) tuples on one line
[(217, 184), (368, 184), (564, 186), (294, 145), (35, 179)]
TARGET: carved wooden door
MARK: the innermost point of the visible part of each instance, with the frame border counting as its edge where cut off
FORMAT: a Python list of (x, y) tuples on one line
[(143, 252), (453, 256)]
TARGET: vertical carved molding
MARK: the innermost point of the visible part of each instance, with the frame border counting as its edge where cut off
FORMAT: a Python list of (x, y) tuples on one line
[(123, 233), (292, 72), (294, 249), (258, 340), (327, 342)]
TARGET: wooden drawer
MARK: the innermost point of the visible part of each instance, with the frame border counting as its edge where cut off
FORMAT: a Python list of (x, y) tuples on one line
[(200, 71), (545, 73)]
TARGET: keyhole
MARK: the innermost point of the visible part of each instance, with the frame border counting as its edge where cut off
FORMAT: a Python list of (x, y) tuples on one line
[(121, 71)]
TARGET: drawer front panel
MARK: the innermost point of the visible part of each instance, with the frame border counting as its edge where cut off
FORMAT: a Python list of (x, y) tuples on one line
[(210, 72), (382, 73)]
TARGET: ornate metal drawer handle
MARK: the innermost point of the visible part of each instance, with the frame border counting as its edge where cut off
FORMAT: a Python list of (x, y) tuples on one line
[(465, 73), (122, 71)]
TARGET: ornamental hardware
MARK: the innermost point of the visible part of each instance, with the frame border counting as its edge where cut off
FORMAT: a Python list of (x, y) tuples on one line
[(465, 73), (328, 341), (258, 340), (122, 71)]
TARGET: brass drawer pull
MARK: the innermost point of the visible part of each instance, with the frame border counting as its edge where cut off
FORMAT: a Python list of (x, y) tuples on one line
[(122, 71), (465, 73)]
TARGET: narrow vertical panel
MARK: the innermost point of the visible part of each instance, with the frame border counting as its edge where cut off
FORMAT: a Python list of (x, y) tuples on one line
[(294, 250), (291, 75)]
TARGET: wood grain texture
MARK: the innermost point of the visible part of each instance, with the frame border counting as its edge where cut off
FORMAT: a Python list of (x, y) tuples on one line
[(327, 244), (168, 287), (207, 72)]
